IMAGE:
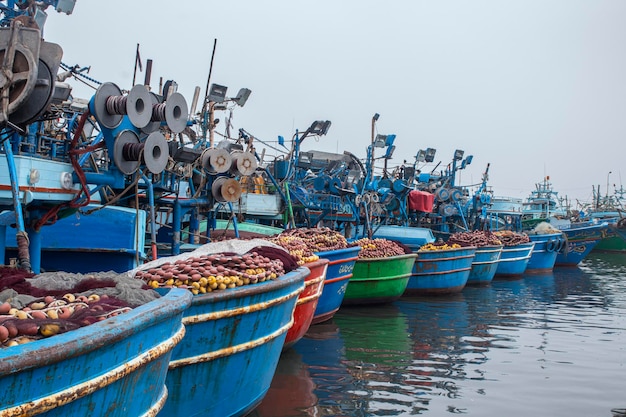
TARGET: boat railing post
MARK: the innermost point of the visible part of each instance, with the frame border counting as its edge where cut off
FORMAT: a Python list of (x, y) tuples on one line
[(21, 236)]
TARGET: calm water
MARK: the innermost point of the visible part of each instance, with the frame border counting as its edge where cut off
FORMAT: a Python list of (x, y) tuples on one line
[(545, 345)]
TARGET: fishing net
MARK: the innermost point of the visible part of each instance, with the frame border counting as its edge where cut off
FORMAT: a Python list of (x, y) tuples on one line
[(37, 306)]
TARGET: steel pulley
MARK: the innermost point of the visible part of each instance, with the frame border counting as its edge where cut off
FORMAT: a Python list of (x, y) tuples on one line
[(153, 125), (176, 112), (156, 152), (129, 152), (99, 110), (216, 160), (448, 210), (139, 106), (456, 195), (226, 189), (110, 106), (19, 58), (442, 194), (243, 163), (40, 98), (126, 152), (334, 185)]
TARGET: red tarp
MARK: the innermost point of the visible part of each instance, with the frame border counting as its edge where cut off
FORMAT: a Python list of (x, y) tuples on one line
[(421, 201)]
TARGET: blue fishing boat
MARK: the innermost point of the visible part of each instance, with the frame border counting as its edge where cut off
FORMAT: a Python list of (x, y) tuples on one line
[(340, 267), (442, 271), (115, 367), (225, 363), (543, 204), (543, 256), (581, 238), (484, 264), (504, 213), (606, 208), (514, 260)]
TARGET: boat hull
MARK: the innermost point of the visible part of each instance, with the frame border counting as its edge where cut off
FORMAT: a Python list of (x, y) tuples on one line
[(379, 280), (225, 363), (610, 244), (441, 271), (580, 242), (77, 243), (307, 301), (116, 367), (340, 268), (514, 260), (543, 256), (484, 265)]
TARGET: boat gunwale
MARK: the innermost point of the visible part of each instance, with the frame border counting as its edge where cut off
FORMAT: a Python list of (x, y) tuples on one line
[(448, 271), (389, 258), (61, 347), (374, 279), (444, 259)]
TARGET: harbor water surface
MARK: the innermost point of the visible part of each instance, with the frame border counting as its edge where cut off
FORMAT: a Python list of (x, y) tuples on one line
[(552, 344)]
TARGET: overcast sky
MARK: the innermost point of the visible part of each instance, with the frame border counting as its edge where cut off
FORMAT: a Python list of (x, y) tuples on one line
[(532, 87)]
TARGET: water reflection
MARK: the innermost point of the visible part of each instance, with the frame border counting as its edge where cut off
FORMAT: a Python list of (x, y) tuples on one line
[(519, 345), (377, 354)]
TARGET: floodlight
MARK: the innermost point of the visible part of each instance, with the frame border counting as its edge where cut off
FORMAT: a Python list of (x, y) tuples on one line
[(458, 154), (421, 156), (430, 154), (319, 127), (389, 152), (217, 94), (380, 141), (242, 96), (390, 139), (469, 159)]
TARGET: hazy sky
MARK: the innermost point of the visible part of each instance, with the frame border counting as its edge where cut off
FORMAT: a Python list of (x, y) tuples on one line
[(533, 87)]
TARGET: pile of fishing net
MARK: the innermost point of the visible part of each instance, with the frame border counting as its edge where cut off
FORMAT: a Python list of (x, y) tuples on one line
[(37, 306)]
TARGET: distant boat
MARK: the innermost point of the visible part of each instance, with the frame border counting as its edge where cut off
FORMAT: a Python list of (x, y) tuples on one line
[(541, 205), (607, 208), (504, 213)]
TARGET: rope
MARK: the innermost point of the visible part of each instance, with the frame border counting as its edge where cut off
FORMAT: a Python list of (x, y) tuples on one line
[(84, 189), (78, 74)]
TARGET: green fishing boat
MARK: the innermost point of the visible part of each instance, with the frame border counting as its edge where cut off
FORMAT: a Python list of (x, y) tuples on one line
[(379, 280)]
